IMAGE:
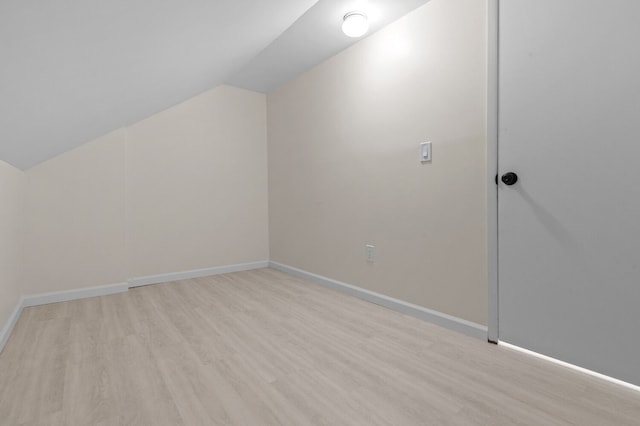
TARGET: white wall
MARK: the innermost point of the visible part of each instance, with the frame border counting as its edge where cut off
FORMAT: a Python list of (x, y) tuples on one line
[(11, 210), (184, 189), (197, 184), (75, 228), (344, 168)]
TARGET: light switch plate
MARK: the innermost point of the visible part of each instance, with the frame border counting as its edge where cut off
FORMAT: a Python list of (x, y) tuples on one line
[(425, 151)]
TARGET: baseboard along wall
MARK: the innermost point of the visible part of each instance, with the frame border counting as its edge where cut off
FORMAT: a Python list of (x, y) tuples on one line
[(444, 320), (5, 332), (26, 301), (105, 290), (196, 273), (457, 324), (67, 295)]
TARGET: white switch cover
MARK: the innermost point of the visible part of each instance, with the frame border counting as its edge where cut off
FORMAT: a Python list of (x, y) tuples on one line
[(370, 253), (425, 151)]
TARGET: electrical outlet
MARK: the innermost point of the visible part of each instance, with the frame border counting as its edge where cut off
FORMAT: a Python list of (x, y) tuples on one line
[(370, 253)]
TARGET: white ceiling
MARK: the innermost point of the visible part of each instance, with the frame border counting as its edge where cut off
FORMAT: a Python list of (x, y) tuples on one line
[(316, 36), (75, 70)]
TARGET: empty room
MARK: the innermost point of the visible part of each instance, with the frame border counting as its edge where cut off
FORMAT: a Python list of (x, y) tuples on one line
[(319, 212)]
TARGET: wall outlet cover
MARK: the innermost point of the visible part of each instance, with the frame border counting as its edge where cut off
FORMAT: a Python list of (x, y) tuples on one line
[(370, 253)]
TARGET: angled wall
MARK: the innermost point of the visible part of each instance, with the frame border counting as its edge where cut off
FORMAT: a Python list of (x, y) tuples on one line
[(197, 184), (184, 189), (74, 218)]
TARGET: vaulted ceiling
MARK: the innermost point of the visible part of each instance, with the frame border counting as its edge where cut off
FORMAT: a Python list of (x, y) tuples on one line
[(75, 70)]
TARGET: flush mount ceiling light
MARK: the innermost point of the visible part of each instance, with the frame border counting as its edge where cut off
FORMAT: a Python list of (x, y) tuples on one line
[(355, 24)]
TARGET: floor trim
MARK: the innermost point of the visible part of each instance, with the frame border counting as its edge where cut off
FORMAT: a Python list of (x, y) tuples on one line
[(11, 323), (448, 321), (81, 293), (196, 273), (55, 297)]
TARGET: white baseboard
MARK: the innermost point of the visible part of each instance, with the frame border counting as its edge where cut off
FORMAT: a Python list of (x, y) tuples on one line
[(448, 321), (196, 273), (55, 297), (81, 293), (11, 323)]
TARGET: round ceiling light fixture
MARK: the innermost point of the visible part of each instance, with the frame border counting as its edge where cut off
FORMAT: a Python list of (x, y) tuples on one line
[(355, 24)]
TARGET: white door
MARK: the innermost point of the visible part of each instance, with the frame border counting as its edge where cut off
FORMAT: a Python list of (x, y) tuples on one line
[(569, 228)]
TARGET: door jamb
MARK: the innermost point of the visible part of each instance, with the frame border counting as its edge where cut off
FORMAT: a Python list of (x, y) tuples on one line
[(492, 167)]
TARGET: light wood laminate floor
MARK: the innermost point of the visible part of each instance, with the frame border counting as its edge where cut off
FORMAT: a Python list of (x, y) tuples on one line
[(266, 348)]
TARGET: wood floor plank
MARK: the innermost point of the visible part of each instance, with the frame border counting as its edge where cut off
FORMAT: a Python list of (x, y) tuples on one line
[(266, 348)]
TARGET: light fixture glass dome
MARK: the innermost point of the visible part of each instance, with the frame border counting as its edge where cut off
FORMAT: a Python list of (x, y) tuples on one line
[(355, 24)]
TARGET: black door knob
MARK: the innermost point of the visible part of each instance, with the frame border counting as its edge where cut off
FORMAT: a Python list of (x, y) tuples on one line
[(509, 178)]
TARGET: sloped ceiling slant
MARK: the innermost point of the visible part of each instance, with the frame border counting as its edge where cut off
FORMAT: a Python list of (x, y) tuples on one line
[(72, 70), (313, 38)]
